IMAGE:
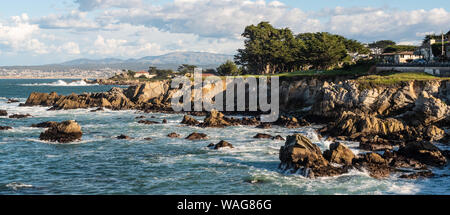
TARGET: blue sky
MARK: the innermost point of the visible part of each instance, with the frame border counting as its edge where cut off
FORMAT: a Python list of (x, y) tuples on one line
[(50, 31)]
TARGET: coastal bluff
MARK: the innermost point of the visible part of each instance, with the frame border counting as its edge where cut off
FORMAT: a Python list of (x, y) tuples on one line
[(373, 114)]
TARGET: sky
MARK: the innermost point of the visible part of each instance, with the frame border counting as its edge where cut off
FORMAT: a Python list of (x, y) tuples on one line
[(53, 31)]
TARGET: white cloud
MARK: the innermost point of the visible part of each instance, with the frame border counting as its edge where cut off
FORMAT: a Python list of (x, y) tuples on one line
[(17, 36), (73, 20), (87, 5), (136, 28), (70, 48)]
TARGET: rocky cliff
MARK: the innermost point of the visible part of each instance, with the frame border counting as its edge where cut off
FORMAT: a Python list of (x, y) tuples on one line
[(372, 114)]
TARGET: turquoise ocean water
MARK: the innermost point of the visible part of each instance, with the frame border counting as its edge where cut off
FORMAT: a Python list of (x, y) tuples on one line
[(101, 164)]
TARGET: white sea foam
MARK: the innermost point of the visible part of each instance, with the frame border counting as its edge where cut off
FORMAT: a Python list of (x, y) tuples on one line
[(18, 185), (404, 189), (61, 83)]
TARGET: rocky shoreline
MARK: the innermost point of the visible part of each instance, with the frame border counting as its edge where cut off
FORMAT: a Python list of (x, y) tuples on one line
[(410, 116)]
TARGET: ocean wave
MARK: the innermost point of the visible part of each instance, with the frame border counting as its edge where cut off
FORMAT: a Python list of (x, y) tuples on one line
[(61, 83)]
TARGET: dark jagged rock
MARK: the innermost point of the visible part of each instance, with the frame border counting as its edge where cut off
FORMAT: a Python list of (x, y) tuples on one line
[(247, 121), (424, 152), (19, 116), (3, 113), (140, 117), (370, 146), (189, 120), (164, 121), (174, 135), (44, 124), (278, 137), (4, 128), (223, 144), (123, 137), (148, 138), (339, 153), (291, 122), (263, 136), (376, 165), (210, 145), (197, 136), (63, 132), (420, 174), (264, 126), (299, 153), (215, 119), (98, 109), (148, 122), (12, 101)]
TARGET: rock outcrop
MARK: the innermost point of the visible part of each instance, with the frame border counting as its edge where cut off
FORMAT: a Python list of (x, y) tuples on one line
[(299, 153), (197, 136), (376, 165), (424, 152), (189, 120), (3, 113), (63, 132), (340, 154), (222, 144), (215, 119)]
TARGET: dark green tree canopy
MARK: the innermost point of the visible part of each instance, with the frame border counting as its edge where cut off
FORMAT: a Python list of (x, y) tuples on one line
[(229, 68), (186, 68), (269, 50), (382, 44)]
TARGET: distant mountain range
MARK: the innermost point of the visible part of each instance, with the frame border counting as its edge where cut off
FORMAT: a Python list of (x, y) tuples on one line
[(194, 58), (167, 61)]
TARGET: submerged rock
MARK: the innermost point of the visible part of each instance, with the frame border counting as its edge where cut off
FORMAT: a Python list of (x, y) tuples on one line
[(197, 136), (420, 174), (63, 132), (339, 153), (47, 124), (3, 128), (174, 135), (123, 137), (3, 113), (264, 126), (278, 137), (189, 120), (12, 101), (19, 116), (263, 136), (148, 122)]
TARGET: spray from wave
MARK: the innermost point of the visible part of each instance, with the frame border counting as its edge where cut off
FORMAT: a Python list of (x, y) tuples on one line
[(61, 83)]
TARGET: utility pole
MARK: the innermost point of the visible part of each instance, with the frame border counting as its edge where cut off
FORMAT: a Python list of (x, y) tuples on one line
[(443, 51)]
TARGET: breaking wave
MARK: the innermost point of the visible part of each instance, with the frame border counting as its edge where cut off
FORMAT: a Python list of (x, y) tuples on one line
[(61, 83)]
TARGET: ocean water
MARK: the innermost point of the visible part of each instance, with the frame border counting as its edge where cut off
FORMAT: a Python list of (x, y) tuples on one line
[(101, 164)]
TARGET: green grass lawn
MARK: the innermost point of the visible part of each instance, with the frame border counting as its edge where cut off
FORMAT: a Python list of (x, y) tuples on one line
[(394, 78)]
